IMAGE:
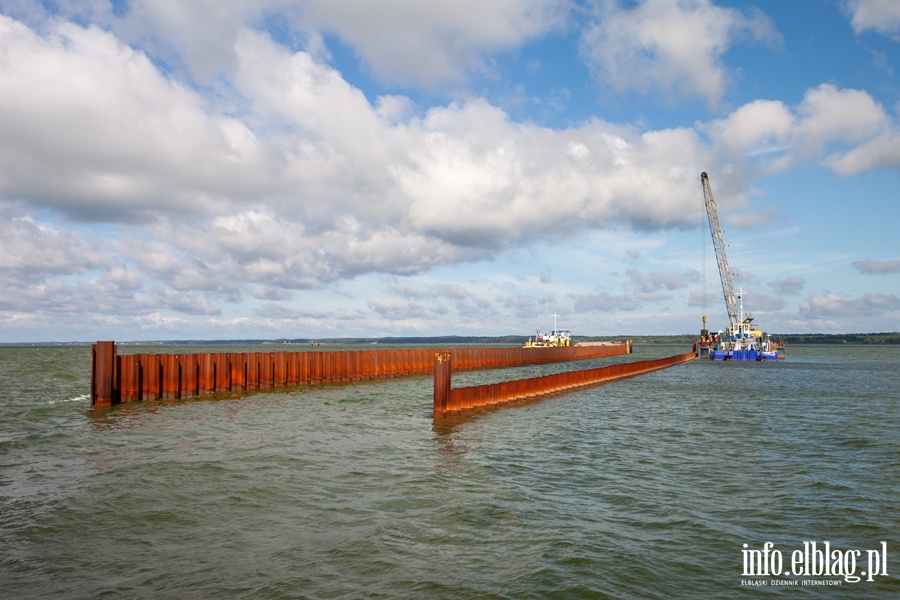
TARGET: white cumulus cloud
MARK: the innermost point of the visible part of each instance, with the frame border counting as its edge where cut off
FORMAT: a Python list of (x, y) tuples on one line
[(672, 46), (882, 16)]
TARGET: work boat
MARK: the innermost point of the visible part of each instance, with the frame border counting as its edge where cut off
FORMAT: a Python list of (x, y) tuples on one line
[(741, 342), (556, 338)]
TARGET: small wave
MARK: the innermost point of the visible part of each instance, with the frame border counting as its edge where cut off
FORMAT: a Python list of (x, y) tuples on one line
[(80, 398)]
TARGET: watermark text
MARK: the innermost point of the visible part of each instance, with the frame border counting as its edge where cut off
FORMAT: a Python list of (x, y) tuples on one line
[(814, 559)]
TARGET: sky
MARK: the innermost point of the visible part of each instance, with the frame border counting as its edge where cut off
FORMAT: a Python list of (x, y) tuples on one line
[(235, 169)]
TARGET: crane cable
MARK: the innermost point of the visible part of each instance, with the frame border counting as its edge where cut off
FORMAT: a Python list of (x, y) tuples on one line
[(703, 234)]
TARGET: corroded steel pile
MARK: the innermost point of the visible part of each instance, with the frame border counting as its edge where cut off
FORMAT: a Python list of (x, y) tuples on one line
[(448, 401), (131, 378)]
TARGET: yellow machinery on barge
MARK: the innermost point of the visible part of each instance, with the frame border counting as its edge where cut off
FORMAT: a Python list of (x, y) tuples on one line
[(555, 339)]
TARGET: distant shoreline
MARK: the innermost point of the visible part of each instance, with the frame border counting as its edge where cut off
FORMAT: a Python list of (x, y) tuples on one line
[(791, 339)]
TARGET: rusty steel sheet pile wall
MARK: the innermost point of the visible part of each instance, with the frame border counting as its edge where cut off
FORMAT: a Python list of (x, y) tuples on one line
[(449, 401), (132, 378)]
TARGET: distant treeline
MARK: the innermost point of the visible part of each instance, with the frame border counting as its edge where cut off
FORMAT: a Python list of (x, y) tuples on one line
[(449, 341), (787, 338), (791, 338), (839, 338), (438, 341)]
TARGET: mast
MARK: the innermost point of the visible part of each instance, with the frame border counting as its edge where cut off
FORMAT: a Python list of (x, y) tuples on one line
[(719, 244)]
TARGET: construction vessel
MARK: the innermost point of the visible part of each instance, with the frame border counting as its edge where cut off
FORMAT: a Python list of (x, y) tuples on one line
[(556, 338), (741, 341)]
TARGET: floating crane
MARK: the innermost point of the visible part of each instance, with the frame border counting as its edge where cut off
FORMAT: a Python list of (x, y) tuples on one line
[(719, 244), (741, 342)]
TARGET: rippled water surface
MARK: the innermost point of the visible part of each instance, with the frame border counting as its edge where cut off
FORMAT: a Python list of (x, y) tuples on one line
[(644, 488)]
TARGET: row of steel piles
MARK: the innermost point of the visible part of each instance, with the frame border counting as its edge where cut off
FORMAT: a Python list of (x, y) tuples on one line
[(449, 401), (131, 378), (139, 377), (464, 359)]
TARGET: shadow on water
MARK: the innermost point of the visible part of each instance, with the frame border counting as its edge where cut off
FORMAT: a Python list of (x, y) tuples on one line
[(130, 414), (452, 432), (119, 415), (447, 425)]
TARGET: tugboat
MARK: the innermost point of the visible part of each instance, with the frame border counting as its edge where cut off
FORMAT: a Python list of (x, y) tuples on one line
[(741, 341), (556, 338)]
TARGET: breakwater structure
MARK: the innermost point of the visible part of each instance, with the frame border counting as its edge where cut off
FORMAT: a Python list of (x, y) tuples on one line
[(127, 378), (450, 401)]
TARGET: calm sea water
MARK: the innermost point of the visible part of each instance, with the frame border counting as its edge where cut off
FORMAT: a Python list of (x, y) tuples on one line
[(643, 488)]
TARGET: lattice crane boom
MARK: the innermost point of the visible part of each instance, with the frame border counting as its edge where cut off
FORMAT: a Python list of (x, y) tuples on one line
[(719, 244)]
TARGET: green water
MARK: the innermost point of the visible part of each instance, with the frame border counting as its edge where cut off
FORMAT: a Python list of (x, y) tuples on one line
[(642, 488)]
